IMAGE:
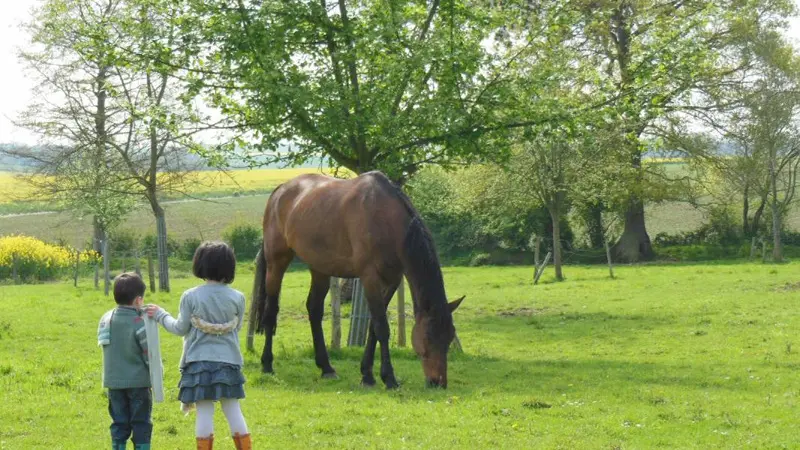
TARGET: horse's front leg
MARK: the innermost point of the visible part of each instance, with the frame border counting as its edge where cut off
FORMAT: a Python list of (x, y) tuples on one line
[(316, 308), (378, 297), (382, 334)]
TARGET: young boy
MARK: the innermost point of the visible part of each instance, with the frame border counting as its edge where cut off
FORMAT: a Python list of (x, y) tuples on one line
[(125, 366)]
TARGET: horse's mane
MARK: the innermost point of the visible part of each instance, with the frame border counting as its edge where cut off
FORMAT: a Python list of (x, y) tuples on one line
[(420, 261)]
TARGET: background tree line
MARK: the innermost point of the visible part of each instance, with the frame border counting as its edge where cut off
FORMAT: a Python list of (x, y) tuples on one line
[(554, 106)]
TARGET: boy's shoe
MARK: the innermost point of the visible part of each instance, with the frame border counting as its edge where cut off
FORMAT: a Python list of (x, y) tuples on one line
[(205, 443), (141, 446), (242, 442), (119, 445)]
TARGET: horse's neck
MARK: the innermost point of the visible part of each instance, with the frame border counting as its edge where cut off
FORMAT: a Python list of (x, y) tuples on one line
[(426, 290)]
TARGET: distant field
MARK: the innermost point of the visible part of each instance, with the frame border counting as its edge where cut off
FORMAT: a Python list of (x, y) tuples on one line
[(201, 219), (244, 195), (15, 193)]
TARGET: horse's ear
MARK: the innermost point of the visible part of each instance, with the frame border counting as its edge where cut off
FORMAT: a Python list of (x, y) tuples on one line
[(454, 304)]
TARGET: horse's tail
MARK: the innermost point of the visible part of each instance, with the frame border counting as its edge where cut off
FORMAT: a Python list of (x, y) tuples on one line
[(258, 305)]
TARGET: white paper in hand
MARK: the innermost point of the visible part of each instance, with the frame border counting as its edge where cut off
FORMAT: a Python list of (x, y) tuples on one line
[(154, 359)]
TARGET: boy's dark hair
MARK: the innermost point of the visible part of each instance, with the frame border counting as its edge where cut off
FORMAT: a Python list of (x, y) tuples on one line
[(128, 286), (214, 261)]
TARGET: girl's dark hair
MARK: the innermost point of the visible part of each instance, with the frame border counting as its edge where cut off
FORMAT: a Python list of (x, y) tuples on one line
[(214, 261)]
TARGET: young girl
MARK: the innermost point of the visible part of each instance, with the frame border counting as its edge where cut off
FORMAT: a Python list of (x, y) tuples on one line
[(210, 318)]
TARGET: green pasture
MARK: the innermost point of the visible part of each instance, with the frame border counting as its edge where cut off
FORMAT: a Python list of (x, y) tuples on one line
[(665, 356)]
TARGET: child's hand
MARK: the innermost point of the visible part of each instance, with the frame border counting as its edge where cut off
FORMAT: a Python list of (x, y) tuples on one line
[(152, 310)]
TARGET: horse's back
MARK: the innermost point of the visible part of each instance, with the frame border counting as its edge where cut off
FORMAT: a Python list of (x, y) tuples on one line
[(339, 225)]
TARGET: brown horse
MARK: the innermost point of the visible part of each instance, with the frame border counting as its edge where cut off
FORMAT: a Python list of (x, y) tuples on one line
[(361, 228)]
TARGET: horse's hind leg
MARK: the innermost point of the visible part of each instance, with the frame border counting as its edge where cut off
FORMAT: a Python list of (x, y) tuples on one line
[(378, 296), (316, 307), (276, 268), (368, 360)]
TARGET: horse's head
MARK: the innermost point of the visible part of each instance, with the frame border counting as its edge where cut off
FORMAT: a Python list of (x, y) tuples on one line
[(431, 338)]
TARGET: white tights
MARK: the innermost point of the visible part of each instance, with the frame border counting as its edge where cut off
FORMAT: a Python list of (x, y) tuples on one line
[(204, 426)]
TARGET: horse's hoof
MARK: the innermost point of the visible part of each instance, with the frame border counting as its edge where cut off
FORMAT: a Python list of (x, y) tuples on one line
[(330, 375), (392, 384), (267, 370), (368, 381)]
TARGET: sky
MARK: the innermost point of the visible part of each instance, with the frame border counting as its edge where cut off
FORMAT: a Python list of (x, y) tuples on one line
[(15, 86)]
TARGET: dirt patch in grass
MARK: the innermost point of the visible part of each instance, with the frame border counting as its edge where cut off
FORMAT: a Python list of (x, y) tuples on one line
[(521, 312)]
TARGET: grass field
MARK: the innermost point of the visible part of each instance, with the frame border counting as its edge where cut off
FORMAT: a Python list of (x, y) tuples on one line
[(674, 356)]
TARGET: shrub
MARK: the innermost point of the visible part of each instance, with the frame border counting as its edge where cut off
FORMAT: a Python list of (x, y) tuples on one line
[(464, 219), (722, 229), (35, 259), (481, 259), (245, 239), (188, 247), (123, 241), (150, 245)]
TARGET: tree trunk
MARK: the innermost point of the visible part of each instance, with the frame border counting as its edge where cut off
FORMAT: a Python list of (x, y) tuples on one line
[(336, 313), (746, 211), (106, 267), (99, 236), (401, 313), (594, 225), (777, 249), (755, 224), (555, 215), (634, 243), (163, 251)]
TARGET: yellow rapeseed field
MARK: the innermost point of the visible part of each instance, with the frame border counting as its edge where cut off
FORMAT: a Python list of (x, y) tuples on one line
[(34, 258)]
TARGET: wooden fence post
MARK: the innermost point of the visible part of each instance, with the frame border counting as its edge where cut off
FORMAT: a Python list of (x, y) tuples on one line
[(401, 313), (251, 324), (77, 267), (137, 263), (151, 272), (536, 245), (540, 271), (608, 258), (96, 272), (106, 267), (336, 313), (763, 250), (753, 244)]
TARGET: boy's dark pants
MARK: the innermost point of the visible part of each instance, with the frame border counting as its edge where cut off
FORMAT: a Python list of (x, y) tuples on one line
[(130, 411)]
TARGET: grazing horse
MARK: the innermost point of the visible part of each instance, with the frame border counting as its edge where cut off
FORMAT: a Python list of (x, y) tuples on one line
[(363, 228)]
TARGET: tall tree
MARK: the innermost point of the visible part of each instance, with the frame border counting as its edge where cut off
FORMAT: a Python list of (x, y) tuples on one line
[(161, 118), (374, 85), (71, 58), (653, 54), (113, 112), (755, 146)]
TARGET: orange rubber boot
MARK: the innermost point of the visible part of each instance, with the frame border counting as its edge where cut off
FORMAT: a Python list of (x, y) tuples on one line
[(242, 441), (205, 443)]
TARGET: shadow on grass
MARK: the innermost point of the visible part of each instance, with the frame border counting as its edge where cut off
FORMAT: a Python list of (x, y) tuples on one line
[(472, 375), (519, 324)]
